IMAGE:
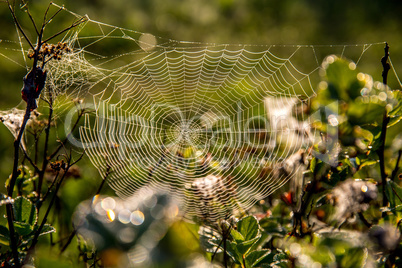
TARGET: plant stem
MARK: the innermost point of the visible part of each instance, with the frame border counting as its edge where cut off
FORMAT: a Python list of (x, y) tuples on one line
[(35, 239), (45, 158), (385, 121), (396, 165), (364, 220), (82, 112), (70, 238), (385, 65), (9, 208), (380, 153)]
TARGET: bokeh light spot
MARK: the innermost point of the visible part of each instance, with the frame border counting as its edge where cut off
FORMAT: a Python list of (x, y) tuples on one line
[(137, 217)]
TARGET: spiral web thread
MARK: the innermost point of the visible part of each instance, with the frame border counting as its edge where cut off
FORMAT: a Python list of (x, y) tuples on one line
[(218, 126)]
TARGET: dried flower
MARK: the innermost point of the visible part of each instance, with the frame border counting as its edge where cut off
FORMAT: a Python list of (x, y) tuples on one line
[(352, 196)]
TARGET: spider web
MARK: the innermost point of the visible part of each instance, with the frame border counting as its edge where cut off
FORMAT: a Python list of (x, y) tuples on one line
[(218, 126)]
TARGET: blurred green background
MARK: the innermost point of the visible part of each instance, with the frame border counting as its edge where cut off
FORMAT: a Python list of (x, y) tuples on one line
[(257, 22)]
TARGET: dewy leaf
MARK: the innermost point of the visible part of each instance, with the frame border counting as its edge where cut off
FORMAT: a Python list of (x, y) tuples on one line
[(24, 211), (248, 227), (47, 229), (26, 230), (23, 228), (255, 257), (209, 239)]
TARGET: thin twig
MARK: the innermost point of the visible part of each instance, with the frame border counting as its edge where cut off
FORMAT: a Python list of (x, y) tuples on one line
[(69, 165), (75, 24), (37, 170), (44, 220), (74, 232), (45, 16), (30, 17), (70, 239), (48, 190), (52, 17), (395, 171), (68, 135), (364, 220), (46, 145), (397, 195), (19, 26), (103, 180)]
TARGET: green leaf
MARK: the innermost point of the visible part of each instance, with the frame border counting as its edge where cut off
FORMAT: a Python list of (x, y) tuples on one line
[(248, 227), (393, 120), (256, 257), (236, 235), (233, 252), (23, 229), (394, 194), (376, 131), (354, 257), (27, 232), (342, 80), (47, 229), (24, 211), (272, 227), (275, 259), (313, 163), (209, 239), (322, 200), (244, 247), (4, 236), (368, 162), (397, 208), (396, 111)]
